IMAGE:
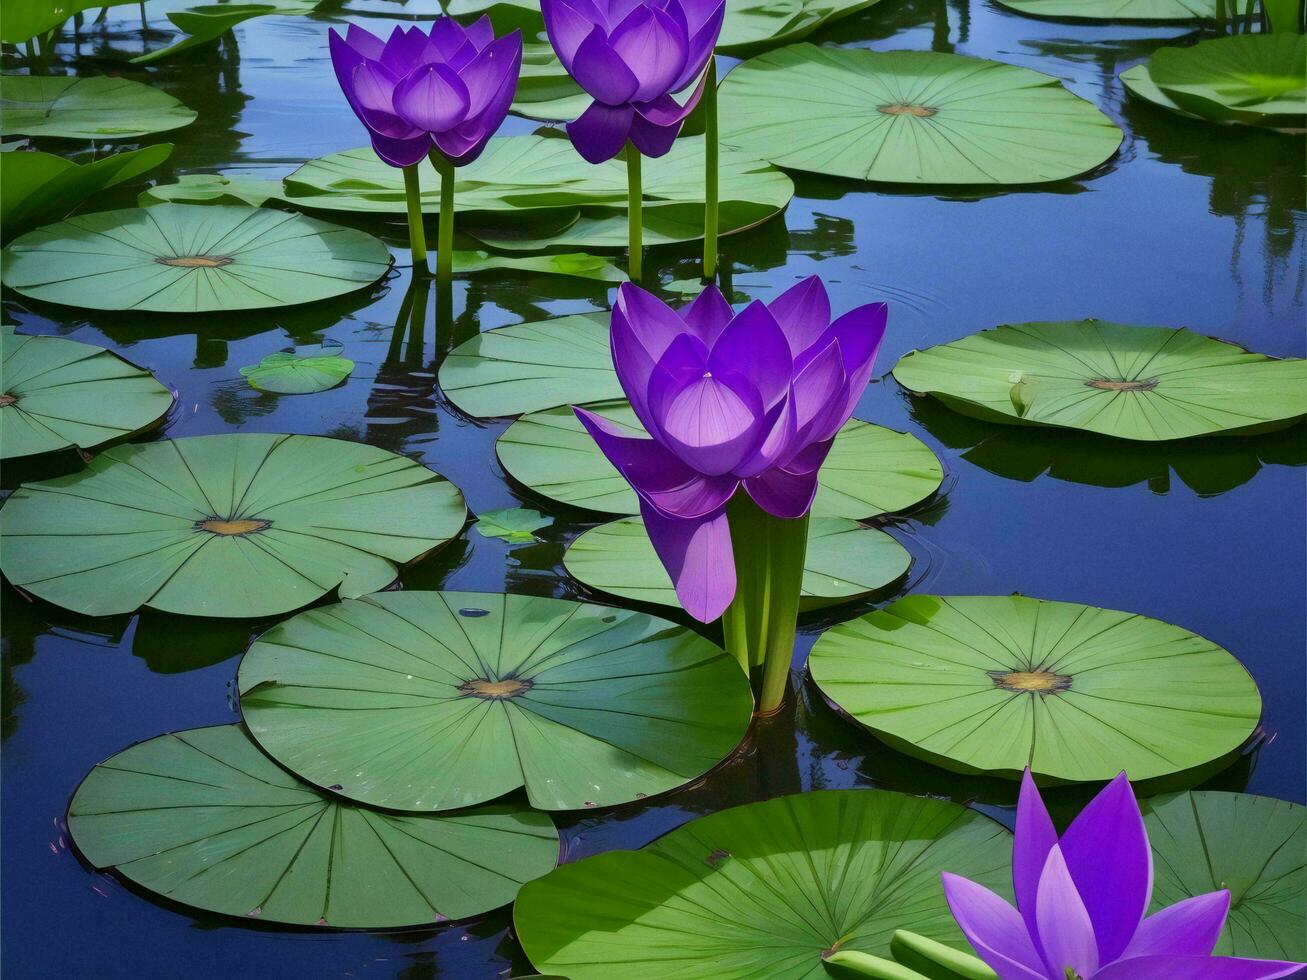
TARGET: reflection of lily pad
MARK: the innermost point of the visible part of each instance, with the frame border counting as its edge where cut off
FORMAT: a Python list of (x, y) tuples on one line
[(60, 393), (1146, 383), (914, 117), (237, 525), (997, 683), (529, 366), (290, 374), (870, 471), (1115, 10), (763, 890), (180, 258), (88, 108), (205, 819), (1254, 846), (845, 561), (438, 700)]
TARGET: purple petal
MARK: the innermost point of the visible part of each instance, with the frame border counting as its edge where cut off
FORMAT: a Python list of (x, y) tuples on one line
[(432, 98), (776, 445), (803, 311), (601, 132), (495, 67), (1066, 933), (1116, 891), (1035, 837), (364, 42), (654, 44), (447, 35), (1196, 968), (403, 51), (401, 152), (373, 87), (703, 39), (650, 139), (860, 332), (708, 314), (567, 27), (344, 59), (820, 389), (658, 123), (600, 70), (641, 329), (697, 556), (482, 32), (781, 493), (993, 928), (1188, 928), (754, 345), (701, 13)]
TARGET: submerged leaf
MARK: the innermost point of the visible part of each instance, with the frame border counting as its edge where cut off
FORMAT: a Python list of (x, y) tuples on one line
[(513, 524)]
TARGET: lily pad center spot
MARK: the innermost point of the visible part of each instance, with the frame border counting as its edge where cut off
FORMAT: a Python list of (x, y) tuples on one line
[(509, 687), (1108, 384), (232, 529), (7, 399), (1031, 681), (197, 261), (907, 109)]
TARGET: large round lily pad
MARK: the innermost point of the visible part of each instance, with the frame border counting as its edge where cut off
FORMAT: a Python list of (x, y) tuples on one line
[(845, 561), (870, 471), (915, 117), (1115, 10), (205, 819), (190, 258), (237, 525), (89, 108), (59, 393), (762, 890), (1254, 846), (997, 683), (1146, 383), (439, 700)]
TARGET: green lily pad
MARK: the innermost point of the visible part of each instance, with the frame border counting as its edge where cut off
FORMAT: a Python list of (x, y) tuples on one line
[(179, 258), (1115, 10), (763, 890), (529, 366), (86, 108), (870, 471), (1146, 383), (60, 393), (37, 188), (997, 683), (212, 189), (1254, 846), (438, 700), (209, 22), (1254, 79), (25, 19), (237, 525), (916, 117), (845, 561), (515, 525), (750, 24), (204, 819), (285, 373)]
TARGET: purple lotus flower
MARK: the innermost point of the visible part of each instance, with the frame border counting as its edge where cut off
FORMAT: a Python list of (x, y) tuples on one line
[(751, 399), (630, 56), (450, 87), (1081, 901)]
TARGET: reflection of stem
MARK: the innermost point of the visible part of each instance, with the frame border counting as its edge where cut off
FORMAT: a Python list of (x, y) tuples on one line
[(417, 236), (401, 322), (710, 168), (417, 320), (446, 337), (445, 241), (634, 219)]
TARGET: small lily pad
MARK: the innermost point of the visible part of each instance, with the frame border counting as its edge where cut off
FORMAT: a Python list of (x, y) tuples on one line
[(204, 819), (439, 700), (1145, 383), (994, 684), (285, 373), (180, 258), (1254, 846), (515, 525), (1115, 10), (870, 471), (86, 108), (917, 117), (212, 189), (60, 393), (236, 525), (763, 890), (845, 561)]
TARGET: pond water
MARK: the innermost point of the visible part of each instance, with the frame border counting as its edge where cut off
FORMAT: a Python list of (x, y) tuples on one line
[(1190, 224)]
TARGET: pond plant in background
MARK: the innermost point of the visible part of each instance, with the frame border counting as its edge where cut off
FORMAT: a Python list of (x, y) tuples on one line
[(742, 410)]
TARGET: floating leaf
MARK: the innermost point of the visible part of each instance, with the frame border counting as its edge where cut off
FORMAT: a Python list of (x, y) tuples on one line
[(1115, 10), (870, 471), (763, 890), (1147, 383), (514, 524), (285, 373), (212, 189), (87, 108), (25, 19), (1252, 845), (915, 117), (437, 700), (997, 683), (205, 819), (179, 258), (209, 22), (236, 525), (845, 561), (37, 188), (60, 393)]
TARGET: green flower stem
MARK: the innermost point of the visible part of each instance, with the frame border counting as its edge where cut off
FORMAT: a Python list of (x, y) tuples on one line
[(417, 236), (445, 242), (634, 219), (934, 959), (851, 963), (759, 624), (710, 172)]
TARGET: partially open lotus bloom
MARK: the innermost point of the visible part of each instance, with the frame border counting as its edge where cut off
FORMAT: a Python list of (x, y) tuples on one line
[(1081, 901), (449, 88), (630, 56), (729, 400)]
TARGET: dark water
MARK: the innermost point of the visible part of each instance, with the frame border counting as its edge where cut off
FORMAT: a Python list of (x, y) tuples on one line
[(1190, 225)]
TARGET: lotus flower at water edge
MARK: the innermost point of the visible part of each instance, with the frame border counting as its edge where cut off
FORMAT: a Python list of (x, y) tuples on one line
[(730, 400)]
